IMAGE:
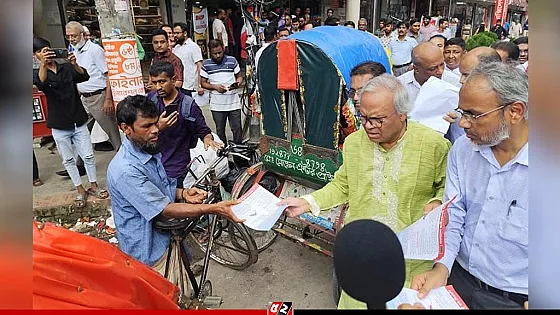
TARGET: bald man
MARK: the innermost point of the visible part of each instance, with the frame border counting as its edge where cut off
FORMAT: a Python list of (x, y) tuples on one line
[(473, 58), (427, 60)]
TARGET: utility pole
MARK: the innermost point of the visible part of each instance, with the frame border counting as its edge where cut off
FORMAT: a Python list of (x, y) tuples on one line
[(115, 18)]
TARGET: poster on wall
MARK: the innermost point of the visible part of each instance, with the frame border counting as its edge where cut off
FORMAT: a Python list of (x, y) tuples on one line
[(200, 18), (125, 73)]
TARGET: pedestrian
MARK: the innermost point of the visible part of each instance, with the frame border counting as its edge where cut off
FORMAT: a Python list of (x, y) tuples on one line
[(191, 58), (95, 93), (179, 129), (393, 170), (453, 52), (36, 180), (222, 76), (219, 29), (486, 252), (160, 42), (170, 36), (499, 30), (427, 61), (507, 50), (67, 117), (350, 24), (401, 50), (427, 28)]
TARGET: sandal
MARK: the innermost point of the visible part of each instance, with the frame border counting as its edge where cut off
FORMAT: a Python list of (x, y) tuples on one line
[(99, 193), (80, 200), (37, 182)]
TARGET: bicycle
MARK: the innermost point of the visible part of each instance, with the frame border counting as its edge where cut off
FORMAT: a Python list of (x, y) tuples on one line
[(210, 233)]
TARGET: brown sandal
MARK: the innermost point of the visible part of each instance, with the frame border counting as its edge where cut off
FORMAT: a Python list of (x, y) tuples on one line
[(37, 182), (80, 200)]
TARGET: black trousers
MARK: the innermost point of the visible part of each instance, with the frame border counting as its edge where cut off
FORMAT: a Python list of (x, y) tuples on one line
[(35, 167), (234, 118), (478, 295)]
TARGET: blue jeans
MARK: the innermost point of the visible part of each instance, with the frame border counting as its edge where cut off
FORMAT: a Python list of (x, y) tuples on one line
[(78, 139)]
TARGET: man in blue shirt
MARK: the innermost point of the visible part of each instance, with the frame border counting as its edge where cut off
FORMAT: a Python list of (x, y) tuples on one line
[(140, 189), (486, 240)]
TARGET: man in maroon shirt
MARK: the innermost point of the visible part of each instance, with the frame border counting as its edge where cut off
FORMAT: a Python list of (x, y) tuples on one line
[(160, 40)]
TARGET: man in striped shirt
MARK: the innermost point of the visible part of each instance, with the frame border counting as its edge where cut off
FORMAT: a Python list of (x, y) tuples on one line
[(222, 76)]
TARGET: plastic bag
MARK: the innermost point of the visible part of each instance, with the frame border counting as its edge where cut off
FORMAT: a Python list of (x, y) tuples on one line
[(202, 159)]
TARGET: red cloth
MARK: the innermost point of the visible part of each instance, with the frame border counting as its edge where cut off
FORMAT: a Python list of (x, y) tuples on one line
[(76, 271), (287, 65)]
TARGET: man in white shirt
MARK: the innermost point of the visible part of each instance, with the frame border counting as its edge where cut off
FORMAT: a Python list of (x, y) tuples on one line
[(222, 76), (96, 92), (427, 61), (270, 35), (443, 29), (191, 57), (219, 30), (453, 52)]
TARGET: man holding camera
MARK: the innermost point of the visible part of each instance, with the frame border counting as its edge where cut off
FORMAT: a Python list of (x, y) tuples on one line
[(181, 122), (95, 93), (222, 76)]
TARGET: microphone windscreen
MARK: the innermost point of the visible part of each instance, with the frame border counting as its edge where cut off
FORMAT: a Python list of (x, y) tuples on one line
[(369, 261)]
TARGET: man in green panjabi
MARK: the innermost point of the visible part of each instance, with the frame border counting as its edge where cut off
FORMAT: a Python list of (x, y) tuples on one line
[(393, 170)]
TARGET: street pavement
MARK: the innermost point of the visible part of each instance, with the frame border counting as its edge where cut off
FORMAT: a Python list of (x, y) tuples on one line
[(285, 271)]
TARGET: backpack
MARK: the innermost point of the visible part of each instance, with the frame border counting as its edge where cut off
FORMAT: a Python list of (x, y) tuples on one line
[(185, 111)]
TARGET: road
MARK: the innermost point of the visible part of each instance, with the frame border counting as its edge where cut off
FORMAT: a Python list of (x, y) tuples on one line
[(286, 271)]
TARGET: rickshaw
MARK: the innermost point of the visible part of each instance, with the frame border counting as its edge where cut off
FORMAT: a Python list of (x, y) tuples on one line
[(302, 94)]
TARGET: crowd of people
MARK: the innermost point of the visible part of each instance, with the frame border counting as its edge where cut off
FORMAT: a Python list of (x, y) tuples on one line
[(395, 169)]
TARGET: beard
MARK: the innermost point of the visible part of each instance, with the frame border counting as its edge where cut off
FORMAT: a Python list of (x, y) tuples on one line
[(501, 133), (150, 148)]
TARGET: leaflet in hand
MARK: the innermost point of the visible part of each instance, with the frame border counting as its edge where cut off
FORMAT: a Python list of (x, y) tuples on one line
[(424, 239), (439, 298), (258, 208)]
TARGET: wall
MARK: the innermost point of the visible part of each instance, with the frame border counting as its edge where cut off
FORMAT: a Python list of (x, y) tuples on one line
[(178, 11)]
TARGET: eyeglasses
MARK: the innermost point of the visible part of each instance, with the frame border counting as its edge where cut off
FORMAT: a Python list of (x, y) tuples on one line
[(68, 36), (374, 121), (473, 118), (352, 92)]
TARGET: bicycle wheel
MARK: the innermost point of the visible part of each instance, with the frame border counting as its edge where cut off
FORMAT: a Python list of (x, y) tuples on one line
[(234, 248), (263, 239)]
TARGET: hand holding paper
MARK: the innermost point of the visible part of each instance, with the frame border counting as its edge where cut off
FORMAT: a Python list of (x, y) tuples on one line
[(439, 298), (424, 239), (258, 208)]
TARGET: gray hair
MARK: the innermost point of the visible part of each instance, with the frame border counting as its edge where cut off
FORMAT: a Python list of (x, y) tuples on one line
[(363, 20), (76, 25), (401, 101), (508, 82)]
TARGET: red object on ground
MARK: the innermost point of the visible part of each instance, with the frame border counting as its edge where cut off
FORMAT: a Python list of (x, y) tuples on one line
[(76, 271), (40, 108), (287, 65)]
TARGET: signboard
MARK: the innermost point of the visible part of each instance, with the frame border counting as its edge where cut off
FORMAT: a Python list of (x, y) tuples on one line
[(121, 5), (125, 73), (200, 18), (500, 11)]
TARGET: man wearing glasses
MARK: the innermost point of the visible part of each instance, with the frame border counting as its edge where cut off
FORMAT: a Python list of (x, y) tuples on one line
[(393, 170), (486, 239)]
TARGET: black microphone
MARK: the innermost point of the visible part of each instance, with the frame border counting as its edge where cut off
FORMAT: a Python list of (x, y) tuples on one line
[(369, 262)]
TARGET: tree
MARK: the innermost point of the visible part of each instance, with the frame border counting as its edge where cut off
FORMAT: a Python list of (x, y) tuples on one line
[(481, 39)]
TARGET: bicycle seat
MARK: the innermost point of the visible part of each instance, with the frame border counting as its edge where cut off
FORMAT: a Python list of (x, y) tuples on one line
[(168, 224)]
